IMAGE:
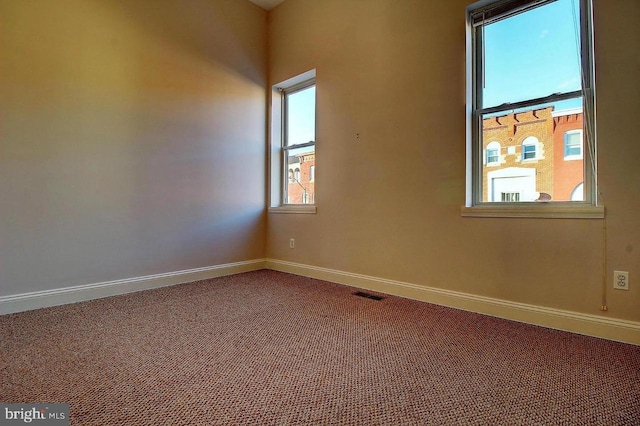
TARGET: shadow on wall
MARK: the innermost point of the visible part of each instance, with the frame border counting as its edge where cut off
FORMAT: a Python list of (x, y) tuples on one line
[(215, 31), (198, 127), (133, 139)]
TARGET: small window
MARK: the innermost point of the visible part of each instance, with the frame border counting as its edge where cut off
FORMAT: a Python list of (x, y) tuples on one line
[(312, 173), (493, 153), (530, 148), (528, 152), (510, 197), (573, 145), (513, 94)]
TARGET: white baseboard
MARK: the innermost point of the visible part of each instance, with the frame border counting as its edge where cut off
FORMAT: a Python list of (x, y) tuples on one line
[(61, 296), (588, 324), (575, 322)]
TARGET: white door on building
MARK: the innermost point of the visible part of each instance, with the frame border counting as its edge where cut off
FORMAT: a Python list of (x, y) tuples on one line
[(513, 184)]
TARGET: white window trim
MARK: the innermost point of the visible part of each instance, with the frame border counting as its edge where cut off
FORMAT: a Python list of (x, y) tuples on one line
[(294, 209), (535, 210), (492, 146), (564, 146), (535, 143), (277, 173), (556, 210)]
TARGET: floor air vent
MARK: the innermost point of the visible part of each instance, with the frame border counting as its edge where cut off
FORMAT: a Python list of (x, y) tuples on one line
[(367, 295)]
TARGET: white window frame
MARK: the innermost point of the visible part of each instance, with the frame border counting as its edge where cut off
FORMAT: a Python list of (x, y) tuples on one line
[(484, 12), (565, 136), (278, 173), (535, 143), (493, 146)]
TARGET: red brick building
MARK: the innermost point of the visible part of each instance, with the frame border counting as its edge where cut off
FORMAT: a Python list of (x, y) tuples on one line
[(301, 178), (568, 164), (533, 155)]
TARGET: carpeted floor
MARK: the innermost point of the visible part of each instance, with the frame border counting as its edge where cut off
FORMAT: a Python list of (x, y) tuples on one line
[(269, 348)]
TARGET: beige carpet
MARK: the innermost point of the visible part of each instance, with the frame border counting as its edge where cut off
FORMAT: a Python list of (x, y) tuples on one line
[(270, 348)]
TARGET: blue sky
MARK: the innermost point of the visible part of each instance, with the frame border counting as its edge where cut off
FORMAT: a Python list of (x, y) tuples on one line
[(301, 116), (530, 55), (533, 54)]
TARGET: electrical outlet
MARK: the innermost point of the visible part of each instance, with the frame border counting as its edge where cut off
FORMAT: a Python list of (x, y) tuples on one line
[(621, 280), (292, 243)]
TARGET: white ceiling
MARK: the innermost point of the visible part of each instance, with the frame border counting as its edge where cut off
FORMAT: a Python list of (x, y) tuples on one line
[(267, 4)]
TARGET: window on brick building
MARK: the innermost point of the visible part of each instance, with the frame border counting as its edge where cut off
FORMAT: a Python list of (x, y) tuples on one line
[(510, 197), (293, 144), (527, 60), (573, 145), (530, 148), (493, 152)]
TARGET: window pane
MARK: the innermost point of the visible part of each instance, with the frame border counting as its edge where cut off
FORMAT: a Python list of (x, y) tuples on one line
[(492, 156), (528, 152), (532, 54), (532, 165), (300, 187), (573, 144), (510, 197), (301, 116)]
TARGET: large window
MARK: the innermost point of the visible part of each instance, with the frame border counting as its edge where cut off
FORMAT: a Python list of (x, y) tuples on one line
[(293, 145), (528, 60), (299, 141)]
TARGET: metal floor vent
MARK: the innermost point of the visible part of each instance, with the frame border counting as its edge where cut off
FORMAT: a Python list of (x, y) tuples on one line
[(367, 295)]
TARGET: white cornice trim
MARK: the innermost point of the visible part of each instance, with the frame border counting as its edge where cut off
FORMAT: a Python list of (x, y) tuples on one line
[(62, 296), (575, 322), (569, 111)]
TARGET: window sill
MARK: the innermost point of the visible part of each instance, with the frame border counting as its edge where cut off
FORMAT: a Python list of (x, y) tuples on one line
[(293, 209), (535, 210)]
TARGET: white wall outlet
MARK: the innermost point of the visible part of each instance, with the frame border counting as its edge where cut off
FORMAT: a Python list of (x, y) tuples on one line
[(292, 243), (621, 280)]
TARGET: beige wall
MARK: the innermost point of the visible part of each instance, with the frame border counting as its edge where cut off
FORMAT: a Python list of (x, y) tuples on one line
[(132, 142), (389, 203), (132, 138)]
